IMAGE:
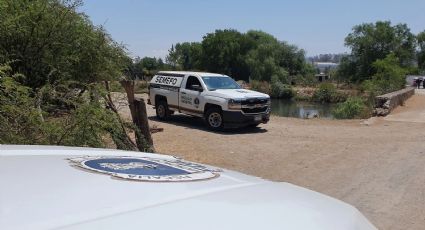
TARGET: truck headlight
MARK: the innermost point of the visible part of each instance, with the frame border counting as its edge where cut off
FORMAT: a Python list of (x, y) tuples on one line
[(234, 104), (269, 102)]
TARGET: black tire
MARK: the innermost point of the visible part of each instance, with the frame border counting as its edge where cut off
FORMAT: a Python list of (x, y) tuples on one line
[(162, 110), (214, 119)]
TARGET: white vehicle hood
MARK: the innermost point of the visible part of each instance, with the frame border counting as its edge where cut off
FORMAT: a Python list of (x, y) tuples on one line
[(236, 94), (41, 190)]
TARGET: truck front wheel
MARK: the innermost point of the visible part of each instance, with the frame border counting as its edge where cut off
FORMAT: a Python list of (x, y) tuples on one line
[(162, 111), (214, 119)]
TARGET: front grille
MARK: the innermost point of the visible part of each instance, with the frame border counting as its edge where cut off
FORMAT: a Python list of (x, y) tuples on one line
[(254, 101), (255, 105), (254, 110)]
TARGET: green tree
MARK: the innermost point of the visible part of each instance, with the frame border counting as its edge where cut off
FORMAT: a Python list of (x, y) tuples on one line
[(347, 68), (19, 120), (224, 52), (139, 68), (389, 76), (52, 87), (263, 58), (48, 41), (254, 55), (270, 59), (421, 52), (371, 42), (185, 56), (21, 123), (293, 59)]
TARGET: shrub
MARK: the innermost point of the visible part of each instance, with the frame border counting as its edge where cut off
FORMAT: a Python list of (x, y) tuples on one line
[(389, 77), (353, 107), (22, 122), (280, 90), (260, 86), (327, 93)]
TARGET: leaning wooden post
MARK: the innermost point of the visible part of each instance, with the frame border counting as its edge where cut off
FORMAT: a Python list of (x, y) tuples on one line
[(143, 139), (128, 86)]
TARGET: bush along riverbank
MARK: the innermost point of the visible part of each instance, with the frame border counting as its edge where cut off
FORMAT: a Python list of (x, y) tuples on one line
[(324, 93), (327, 93), (352, 108), (276, 89), (348, 104)]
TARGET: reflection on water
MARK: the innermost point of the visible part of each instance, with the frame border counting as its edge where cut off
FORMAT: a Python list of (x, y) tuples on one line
[(301, 109)]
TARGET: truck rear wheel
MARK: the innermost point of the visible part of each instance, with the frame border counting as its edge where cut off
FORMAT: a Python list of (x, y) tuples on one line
[(214, 119), (162, 110)]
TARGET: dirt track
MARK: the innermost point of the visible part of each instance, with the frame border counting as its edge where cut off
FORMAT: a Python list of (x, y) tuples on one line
[(377, 165)]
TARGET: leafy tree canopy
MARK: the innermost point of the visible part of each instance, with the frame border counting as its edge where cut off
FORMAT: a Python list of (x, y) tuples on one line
[(52, 61), (185, 56), (389, 76), (254, 55), (48, 41), (421, 52), (371, 42)]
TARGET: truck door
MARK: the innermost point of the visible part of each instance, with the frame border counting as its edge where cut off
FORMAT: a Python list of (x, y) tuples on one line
[(191, 96)]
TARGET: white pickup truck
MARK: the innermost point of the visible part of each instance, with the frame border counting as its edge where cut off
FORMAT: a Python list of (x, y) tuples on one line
[(215, 97)]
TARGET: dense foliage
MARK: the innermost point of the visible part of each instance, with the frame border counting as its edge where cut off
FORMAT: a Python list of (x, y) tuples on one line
[(22, 123), (276, 89), (139, 68), (421, 51), (327, 93), (48, 41), (353, 107), (371, 42), (53, 63), (280, 90), (254, 55), (389, 76)]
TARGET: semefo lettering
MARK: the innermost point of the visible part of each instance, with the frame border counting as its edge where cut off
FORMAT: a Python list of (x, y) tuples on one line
[(166, 80)]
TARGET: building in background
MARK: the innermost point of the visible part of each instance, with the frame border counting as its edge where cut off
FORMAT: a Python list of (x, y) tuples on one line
[(323, 70)]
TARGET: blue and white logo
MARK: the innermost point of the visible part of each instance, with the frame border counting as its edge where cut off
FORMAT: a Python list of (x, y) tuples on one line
[(146, 168)]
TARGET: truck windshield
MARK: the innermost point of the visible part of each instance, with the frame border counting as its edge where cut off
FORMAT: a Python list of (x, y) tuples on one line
[(214, 83)]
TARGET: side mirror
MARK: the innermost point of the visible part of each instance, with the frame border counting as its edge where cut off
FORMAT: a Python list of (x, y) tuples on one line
[(197, 88)]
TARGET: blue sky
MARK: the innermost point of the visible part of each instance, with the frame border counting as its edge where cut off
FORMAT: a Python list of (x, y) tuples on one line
[(150, 27)]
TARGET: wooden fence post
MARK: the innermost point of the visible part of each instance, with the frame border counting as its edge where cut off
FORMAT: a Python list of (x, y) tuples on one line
[(143, 139)]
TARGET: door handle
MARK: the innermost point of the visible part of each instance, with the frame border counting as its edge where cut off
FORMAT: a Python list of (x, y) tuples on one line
[(183, 93)]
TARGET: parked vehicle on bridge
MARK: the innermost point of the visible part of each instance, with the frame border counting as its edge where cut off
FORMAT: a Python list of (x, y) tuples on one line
[(53, 187), (216, 98)]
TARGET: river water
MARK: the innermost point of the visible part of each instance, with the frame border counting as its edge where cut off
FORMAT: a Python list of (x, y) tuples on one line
[(301, 109)]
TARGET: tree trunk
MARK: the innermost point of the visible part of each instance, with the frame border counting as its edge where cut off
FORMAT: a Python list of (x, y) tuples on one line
[(129, 89), (139, 116), (143, 138)]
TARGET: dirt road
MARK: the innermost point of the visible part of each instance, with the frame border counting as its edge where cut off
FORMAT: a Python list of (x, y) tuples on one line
[(377, 165)]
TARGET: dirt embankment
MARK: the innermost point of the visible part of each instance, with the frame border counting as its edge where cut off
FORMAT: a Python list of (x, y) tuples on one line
[(376, 165)]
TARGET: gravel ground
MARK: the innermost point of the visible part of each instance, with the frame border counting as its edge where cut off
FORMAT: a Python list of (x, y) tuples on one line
[(377, 165)]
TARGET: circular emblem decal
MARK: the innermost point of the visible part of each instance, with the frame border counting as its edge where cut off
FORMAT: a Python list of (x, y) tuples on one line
[(146, 168)]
